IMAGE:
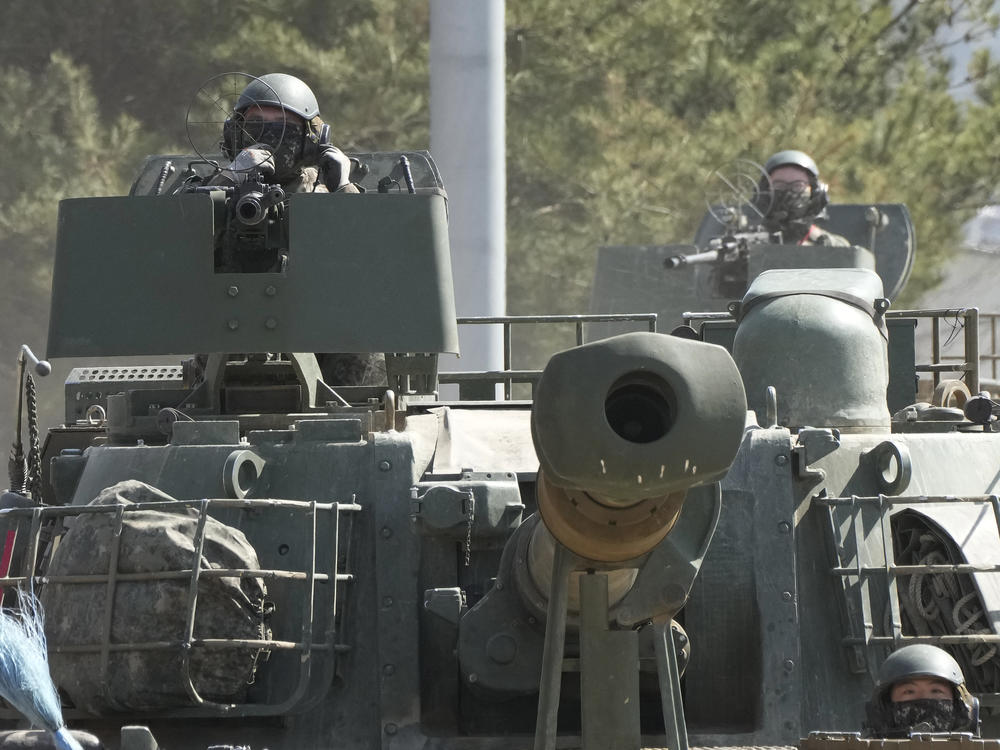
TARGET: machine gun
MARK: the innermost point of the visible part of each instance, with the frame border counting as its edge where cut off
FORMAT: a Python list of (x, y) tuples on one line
[(728, 257), (731, 247), (254, 236)]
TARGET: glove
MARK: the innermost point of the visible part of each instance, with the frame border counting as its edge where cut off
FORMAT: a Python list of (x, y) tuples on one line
[(249, 161), (335, 167)]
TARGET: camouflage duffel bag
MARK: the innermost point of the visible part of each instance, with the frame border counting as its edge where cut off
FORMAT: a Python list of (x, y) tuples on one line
[(145, 662)]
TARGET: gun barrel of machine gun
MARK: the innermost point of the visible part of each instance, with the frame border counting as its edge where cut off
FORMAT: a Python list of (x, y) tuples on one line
[(725, 248), (253, 205), (676, 261)]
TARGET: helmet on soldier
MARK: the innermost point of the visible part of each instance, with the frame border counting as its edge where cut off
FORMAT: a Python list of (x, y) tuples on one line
[(279, 90), (792, 193), (280, 112), (905, 697), (793, 158)]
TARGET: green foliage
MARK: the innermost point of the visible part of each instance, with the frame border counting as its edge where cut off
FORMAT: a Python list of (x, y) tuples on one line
[(618, 110)]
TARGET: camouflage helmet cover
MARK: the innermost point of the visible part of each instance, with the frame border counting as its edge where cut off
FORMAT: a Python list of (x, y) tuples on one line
[(280, 90), (793, 158)]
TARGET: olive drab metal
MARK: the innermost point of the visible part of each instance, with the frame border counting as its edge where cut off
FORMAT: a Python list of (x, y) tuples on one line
[(240, 547), (244, 545), (859, 517)]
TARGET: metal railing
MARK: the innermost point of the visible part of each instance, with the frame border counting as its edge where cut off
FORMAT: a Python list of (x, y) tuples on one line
[(508, 376), (966, 364), (990, 355), (317, 583), (877, 590)]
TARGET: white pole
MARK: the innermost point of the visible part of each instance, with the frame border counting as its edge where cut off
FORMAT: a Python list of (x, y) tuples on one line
[(467, 142)]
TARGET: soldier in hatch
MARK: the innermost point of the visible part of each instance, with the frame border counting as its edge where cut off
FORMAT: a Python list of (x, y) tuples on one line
[(920, 688), (794, 199), (276, 125), (276, 129)]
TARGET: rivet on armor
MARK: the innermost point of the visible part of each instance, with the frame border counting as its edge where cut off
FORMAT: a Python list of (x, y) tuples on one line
[(781, 459), (271, 324), (233, 290), (501, 648), (233, 324), (384, 465)]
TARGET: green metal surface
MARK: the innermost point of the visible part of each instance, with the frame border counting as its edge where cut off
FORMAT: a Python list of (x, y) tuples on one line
[(366, 273)]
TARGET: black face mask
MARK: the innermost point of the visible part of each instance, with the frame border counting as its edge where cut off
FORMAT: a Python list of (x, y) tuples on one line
[(923, 715), (283, 139), (789, 204)]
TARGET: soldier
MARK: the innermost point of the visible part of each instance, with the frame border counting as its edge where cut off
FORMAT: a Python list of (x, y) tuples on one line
[(921, 688), (795, 198), (276, 124)]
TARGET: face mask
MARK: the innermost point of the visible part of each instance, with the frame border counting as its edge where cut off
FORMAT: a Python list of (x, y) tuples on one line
[(789, 203), (282, 139), (923, 715)]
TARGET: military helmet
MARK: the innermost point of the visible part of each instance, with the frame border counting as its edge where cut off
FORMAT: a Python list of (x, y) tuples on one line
[(920, 660), (784, 209), (292, 143), (793, 158), (280, 90)]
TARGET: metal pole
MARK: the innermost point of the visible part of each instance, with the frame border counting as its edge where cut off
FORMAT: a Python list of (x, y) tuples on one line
[(552, 653), (670, 687), (468, 143), (972, 348)]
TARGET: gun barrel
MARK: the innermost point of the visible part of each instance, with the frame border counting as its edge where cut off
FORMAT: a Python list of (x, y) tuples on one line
[(252, 207), (676, 261), (622, 428)]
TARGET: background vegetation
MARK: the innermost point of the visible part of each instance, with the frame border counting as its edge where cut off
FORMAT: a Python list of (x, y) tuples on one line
[(617, 112)]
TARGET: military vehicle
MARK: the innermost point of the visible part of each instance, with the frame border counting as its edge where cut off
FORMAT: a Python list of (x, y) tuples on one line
[(856, 518), (732, 246), (235, 548)]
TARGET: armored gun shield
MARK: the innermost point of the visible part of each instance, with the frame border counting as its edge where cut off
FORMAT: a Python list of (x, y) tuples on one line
[(151, 258)]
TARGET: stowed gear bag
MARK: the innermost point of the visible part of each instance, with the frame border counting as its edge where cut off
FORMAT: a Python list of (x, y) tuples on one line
[(151, 611)]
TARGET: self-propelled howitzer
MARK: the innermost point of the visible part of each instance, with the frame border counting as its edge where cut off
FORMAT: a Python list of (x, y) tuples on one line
[(241, 550)]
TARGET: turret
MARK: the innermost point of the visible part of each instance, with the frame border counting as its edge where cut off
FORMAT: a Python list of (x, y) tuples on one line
[(632, 434)]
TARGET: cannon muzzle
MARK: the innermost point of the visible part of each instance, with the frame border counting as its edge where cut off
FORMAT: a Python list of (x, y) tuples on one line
[(622, 428)]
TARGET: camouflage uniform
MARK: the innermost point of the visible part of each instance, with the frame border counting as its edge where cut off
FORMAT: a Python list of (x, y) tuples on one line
[(817, 236)]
